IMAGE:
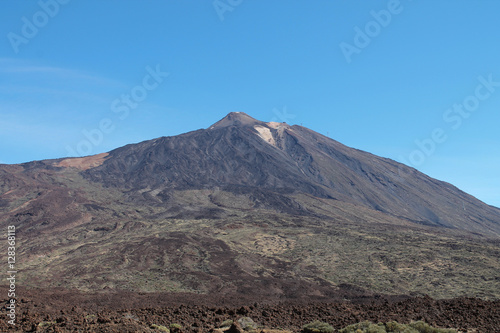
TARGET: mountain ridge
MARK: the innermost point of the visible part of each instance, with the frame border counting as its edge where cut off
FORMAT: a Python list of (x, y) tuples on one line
[(306, 174), (294, 159), (247, 207)]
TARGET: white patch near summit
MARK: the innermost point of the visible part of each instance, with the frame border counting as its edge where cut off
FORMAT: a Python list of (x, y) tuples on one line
[(265, 134), (274, 124), (277, 125)]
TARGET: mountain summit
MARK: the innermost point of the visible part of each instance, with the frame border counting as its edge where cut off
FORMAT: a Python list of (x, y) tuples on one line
[(240, 154), (235, 119), (247, 207)]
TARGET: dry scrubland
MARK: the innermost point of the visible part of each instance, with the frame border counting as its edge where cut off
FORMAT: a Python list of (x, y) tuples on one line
[(249, 211)]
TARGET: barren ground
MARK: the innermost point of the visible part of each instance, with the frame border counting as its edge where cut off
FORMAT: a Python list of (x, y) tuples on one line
[(64, 311)]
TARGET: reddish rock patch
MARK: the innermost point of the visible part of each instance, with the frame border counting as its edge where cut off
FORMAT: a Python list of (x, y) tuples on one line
[(84, 163)]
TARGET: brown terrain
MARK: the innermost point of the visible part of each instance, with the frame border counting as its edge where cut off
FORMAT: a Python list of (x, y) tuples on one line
[(65, 311), (274, 218)]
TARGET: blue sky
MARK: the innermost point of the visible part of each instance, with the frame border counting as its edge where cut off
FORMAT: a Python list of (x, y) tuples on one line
[(416, 81)]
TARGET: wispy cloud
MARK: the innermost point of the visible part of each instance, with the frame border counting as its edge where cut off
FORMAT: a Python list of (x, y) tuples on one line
[(20, 68), (26, 83), (45, 106)]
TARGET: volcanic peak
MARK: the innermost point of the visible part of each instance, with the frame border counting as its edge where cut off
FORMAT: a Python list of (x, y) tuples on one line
[(271, 132), (236, 119)]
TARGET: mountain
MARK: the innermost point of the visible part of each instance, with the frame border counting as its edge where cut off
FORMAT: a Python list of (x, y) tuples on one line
[(242, 155), (248, 207)]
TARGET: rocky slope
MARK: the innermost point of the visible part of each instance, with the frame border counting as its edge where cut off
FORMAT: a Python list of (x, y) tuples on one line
[(243, 155), (250, 208)]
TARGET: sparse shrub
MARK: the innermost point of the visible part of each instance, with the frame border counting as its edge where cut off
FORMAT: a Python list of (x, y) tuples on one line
[(160, 328), (45, 323), (247, 323), (422, 327), (317, 327), (226, 323), (174, 328), (131, 316), (357, 328), (393, 327), (367, 327)]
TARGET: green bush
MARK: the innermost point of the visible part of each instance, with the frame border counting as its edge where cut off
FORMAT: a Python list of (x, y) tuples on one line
[(422, 327), (317, 327), (160, 328), (175, 328), (364, 327), (247, 323), (46, 323), (393, 327), (226, 323)]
